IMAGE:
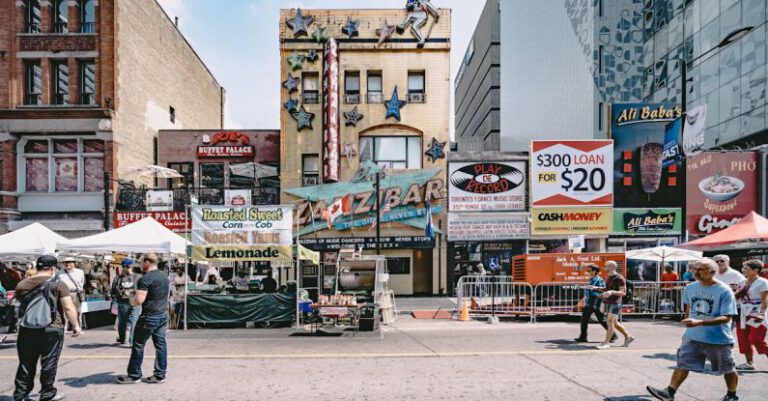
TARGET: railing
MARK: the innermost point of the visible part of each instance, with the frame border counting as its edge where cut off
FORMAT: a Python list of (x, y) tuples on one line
[(375, 97), (417, 98), (131, 199), (32, 99), (88, 27), (351, 98), (60, 98), (486, 295), (33, 27), (60, 27), (87, 98), (311, 97)]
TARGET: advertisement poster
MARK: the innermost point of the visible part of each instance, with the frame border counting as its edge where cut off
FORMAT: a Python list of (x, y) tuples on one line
[(571, 173), (647, 164), (693, 130), (571, 221), (174, 221), (490, 186), (159, 201), (722, 188), (257, 233), (647, 221), (487, 226), (237, 197)]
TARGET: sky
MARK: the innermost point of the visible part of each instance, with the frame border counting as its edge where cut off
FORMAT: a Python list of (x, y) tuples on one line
[(239, 44)]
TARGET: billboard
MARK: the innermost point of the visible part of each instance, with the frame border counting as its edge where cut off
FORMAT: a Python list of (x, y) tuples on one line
[(489, 226), (571, 173), (722, 187), (647, 166), (487, 186), (566, 221)]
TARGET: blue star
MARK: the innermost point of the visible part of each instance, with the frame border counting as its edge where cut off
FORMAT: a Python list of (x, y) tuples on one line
[(436, 150), (303, 118), (291, 105), (299, 23), (394, 105), (350, 28)]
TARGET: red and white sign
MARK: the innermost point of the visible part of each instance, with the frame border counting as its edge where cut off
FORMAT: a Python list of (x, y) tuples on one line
[(572, 173), (225, 151), (331, 132), (174, 221)]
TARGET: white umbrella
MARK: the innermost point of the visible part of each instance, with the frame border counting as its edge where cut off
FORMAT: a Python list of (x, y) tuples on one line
[(665, 254), (155, 172), (253, 170)]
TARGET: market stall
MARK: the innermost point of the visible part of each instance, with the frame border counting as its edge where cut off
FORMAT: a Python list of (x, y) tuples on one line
[(31, 241), (748, 237)]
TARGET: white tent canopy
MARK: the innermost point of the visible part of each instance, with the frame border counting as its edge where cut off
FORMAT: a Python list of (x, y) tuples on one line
[(32, 240), (143, 236), (665, 254)]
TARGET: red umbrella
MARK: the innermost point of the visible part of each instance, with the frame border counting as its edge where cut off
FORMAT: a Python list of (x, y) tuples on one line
[(749, 236)]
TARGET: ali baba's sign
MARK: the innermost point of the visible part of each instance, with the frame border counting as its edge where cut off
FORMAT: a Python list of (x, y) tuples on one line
[(646, 221), (402, 198)]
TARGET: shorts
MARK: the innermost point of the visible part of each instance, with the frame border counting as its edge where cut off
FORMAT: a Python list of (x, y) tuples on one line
[(613, 309), (693, 355)]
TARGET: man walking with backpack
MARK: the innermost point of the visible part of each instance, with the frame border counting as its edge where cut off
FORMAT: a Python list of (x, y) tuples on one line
[(44, 302)]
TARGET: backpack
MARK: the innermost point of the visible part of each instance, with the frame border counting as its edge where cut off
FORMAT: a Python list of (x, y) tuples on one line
[(38, 308)]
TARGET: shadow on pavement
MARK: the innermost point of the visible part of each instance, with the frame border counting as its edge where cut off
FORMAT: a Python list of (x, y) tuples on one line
[(6, 398), (97, 378), (91, 346), (567, 345), (662, 355), (629, 398)]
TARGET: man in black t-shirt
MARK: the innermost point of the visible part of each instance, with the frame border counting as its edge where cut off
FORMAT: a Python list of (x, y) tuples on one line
[(269, 284), (152, 293)]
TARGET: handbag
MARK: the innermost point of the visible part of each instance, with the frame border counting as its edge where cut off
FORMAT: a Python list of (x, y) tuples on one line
[(80, 292)]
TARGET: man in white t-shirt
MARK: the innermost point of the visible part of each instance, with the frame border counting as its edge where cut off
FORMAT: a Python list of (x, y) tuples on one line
[(731, 277), (74, 278)]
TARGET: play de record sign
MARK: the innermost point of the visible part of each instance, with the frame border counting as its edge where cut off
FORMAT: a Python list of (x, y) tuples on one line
[(572, 173), (486, 186), (564, 221)]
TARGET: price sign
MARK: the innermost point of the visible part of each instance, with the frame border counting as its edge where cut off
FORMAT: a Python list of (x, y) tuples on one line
[(572, 173)]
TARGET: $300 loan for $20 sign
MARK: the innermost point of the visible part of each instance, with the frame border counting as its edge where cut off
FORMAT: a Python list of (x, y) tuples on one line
[(572, 173)]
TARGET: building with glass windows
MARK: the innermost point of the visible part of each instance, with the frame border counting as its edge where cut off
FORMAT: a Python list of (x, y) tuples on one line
[(367, 92), (724, 45), (84, 90)]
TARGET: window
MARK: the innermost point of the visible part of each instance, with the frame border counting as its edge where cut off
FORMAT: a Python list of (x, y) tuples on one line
[(399, 265), (352, 87), (87, 16), (416, 93), (33, 16), (60, 16), (64, 165), (309, 86), (59, 82), (310, 170), (600, 59), (392, 152), (244, 181), (172, 114), (212, 175), (33, 85), (87, 82), (375, 93), (186, 170)]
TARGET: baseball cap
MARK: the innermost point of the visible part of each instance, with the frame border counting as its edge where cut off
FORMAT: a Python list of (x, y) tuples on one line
[(46, 262), (68, 259), (127, 262)]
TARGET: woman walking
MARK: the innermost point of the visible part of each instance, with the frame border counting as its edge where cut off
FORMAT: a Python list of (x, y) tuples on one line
[(753, 303)]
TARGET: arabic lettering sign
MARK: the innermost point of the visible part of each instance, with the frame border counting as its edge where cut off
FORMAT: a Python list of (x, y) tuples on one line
[(571, 173), (722, 188), (571, 220), (647, 221), (647, 168), (174, 221), (487, 226), (491, 186)]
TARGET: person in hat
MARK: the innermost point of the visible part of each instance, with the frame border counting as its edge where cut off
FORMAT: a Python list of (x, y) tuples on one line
[(74, 279), (123, 288), (42, 339)]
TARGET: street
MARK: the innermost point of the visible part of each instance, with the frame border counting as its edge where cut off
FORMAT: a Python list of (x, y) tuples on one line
[(411, 360)]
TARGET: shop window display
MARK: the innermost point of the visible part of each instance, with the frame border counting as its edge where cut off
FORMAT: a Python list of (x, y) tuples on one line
[(63, 165)]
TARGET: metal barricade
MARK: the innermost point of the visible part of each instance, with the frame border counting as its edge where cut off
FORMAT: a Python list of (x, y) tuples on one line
[(655, 298), (486, 295), (559, 298)]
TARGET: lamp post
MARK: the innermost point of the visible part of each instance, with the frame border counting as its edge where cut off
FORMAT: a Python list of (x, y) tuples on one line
[(107, 182), (728, 40)]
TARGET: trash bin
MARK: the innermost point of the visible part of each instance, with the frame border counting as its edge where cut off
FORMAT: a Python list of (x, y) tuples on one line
[(369, 317)]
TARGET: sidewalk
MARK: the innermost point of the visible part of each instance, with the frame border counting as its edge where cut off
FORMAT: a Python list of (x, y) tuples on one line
[(410, 304)]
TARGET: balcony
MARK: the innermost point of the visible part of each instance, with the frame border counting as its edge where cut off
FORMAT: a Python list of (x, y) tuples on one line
[(311, 97), (132, 199), (352, 98), (375, 97), (417, 97)]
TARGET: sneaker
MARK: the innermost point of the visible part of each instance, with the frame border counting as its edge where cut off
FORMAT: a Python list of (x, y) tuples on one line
[(730, 398), (604, 346), (2, 339), (154, 380), (580, 340), (628, 341), (745, 366), (59, 396), (614, 338), (128, 380), (660, 394)]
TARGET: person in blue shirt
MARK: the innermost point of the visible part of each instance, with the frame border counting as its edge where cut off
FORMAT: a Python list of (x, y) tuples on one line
[(709, 305), (688, 275), (592, 301)]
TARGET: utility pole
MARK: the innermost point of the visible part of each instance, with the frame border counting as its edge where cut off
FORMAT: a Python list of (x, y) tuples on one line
[(107, 181)]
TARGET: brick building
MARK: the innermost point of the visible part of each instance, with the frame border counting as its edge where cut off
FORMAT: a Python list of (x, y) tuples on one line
[(85, 85), (358, 93)]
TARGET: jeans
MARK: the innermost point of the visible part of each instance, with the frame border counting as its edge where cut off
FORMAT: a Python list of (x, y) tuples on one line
[(585, 317), (33, 345), (146, 327), (126, 314)]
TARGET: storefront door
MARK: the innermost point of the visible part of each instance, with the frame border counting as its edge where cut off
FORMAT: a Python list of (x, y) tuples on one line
[(422, 272)]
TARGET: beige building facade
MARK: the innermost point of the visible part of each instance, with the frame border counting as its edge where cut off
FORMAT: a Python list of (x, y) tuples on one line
[(388, 107)]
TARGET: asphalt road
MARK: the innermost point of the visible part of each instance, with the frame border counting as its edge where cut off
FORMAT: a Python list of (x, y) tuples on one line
[(411, 360)]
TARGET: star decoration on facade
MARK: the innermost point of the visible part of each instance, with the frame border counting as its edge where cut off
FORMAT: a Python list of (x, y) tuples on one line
[(291, 105), (296, 60), (385, 32), (394, 105), (436, 150), (312, 55), (349, 151), (299, 23), (350, 28), (320, 35), (303, 118), (291, 84), (352, 117)]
